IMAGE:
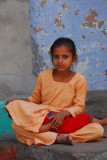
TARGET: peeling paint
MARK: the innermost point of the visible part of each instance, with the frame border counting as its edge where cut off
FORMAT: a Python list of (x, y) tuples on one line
[(85, 24), (105, 32), (90, 20), (37, 59), (79, 52), (98, 45), (65, 6), (57, 21), (83, 66), (83, 36), (77, 11), (102, 48), (100, 23), (106, 72), (46, 49), (84, 48), (69, 35), (43, 3), (36, 30), (93, 31)]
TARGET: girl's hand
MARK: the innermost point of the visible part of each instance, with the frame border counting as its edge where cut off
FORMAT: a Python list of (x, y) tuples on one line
[(57, 119), (10, 100)]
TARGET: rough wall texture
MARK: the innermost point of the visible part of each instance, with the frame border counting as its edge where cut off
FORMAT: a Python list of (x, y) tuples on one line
[(83, 21), (14, 38), (15, 49)]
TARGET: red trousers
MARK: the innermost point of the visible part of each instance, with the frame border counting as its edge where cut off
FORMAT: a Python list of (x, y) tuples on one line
[(70, 124)]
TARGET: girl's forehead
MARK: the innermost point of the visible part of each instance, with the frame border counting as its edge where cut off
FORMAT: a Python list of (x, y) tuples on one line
[(62, 48)]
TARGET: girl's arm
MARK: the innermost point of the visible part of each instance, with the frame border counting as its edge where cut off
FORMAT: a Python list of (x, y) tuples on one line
[(78, 105), (45, 128), (37, 95)]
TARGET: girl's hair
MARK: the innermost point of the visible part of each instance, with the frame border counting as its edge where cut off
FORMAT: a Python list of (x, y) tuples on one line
[(63, 42)]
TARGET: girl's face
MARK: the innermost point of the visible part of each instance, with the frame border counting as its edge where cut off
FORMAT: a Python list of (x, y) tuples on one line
[(63, 58)]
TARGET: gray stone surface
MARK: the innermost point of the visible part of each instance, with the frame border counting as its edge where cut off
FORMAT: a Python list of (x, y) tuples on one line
[(16, 86), (15, 48), (80, 151), (96, 103), (16, 76)]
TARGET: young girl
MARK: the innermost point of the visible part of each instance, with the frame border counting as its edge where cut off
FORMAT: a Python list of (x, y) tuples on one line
[(58, 100)]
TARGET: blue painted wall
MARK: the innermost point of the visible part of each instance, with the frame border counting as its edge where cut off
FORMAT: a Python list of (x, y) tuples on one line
[(83, 21)]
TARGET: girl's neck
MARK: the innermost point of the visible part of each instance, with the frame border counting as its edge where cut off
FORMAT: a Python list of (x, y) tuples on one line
[(62, 76)]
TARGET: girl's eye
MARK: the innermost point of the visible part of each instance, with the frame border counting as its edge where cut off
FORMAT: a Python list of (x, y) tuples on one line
[(55, 57), (65, 57)]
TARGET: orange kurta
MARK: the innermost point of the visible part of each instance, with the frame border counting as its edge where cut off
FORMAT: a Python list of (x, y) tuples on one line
[(50, 95)]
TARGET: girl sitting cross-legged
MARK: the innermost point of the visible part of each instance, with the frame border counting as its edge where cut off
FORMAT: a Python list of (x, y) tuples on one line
[(54, 112)]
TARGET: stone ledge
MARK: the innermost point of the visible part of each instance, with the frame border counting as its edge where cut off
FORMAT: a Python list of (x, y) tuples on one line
[(96, 103), (80, 151)]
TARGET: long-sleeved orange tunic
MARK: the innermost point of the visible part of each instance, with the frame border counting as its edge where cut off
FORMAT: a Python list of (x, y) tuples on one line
[(50, 95)]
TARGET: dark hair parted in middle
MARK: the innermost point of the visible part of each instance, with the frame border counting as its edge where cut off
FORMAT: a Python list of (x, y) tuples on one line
[(63, 42)]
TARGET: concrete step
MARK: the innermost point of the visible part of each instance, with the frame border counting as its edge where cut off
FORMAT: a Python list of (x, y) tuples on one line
[(80, 151)]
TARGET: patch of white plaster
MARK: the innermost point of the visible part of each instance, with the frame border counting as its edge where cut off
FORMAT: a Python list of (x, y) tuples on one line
[(84, 47), (82, 27), (69, 35), (46, 50), (83, 66), (105, 22), (48, 62), (95, 44), (79, 52), (93, 31), (55, 1)]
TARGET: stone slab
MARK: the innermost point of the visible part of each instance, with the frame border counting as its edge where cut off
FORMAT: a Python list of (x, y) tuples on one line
[(80, 151)]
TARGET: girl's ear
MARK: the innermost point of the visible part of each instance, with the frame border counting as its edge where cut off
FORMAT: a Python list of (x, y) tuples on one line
[(75, 58)]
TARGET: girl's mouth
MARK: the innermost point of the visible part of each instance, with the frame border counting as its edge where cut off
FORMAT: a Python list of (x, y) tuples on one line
[(60, 66)]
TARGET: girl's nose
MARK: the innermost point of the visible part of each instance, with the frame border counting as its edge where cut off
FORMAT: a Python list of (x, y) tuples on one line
[(60, 59)]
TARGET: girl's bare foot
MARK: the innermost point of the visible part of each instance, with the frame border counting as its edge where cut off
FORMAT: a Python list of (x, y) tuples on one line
[(103, 122), (64, 139)]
